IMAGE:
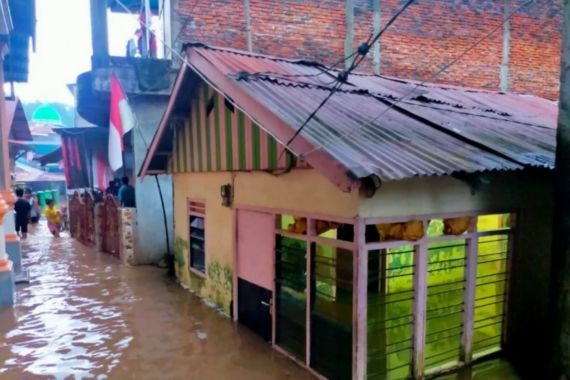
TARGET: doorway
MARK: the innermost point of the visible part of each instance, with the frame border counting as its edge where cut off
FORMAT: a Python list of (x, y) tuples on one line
[(254, 308), (255, 271)]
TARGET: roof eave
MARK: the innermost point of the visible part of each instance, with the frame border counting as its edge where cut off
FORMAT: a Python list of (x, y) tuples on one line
[(280, 130), (162, 126)]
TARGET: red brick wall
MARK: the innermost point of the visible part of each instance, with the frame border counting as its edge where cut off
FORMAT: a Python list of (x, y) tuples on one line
[(535, 50), (213, 22), (425, 38)]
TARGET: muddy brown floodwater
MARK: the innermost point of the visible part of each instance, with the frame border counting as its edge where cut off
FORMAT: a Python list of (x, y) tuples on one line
[(84, 315)]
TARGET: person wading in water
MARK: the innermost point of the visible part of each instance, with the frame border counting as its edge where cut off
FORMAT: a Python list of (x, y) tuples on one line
[(53, 217), (22, 208), (35, 207)]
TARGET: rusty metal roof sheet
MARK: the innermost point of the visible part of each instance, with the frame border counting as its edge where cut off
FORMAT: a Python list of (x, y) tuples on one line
[(394, 128)]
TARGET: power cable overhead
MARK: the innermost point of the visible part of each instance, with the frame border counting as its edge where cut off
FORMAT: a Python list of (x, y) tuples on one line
[(348, 133), (414, 89), (342, 76)]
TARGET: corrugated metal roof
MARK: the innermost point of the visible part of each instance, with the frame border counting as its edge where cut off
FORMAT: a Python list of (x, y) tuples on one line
[(395, 147), (431, 130)]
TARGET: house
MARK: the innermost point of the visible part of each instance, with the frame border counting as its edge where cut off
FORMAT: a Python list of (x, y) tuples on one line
[(147, 83), (403, 232)]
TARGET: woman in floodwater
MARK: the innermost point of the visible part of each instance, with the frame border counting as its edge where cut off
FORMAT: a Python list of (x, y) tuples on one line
[(53, 217)]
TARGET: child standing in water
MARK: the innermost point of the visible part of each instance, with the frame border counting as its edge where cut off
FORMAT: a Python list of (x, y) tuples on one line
[(53, 217)]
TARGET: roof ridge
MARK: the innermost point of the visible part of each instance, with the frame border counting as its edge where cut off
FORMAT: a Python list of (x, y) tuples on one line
[(314, 63), (417, 100), (301, 61)]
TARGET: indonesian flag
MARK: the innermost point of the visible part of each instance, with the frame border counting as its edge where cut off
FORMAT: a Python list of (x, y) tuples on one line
[(122, 121)]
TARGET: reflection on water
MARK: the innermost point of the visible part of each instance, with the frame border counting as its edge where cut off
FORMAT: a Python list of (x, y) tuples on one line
[(85, 315)]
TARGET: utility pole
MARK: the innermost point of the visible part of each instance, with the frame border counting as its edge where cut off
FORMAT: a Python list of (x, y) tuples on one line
[(560, 281)]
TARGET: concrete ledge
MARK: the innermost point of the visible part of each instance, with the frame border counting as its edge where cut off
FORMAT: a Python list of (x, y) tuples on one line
[(7, 287), (14, 251)]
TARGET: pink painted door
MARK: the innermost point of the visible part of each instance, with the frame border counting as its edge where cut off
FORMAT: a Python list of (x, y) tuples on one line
[(255, 270), (256, 248)]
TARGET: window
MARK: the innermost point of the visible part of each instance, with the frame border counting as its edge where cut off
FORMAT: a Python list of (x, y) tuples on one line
[(456, 270), (196, 222), (314, 292), (390, 312)]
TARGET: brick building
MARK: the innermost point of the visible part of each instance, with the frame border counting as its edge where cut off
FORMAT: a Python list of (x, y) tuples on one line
[(521, 56)]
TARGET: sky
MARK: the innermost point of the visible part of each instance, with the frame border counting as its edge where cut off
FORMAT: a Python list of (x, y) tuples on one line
[(63, 48)]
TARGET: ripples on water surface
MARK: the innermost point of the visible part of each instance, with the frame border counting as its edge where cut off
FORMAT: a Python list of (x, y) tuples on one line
[(83, 315)]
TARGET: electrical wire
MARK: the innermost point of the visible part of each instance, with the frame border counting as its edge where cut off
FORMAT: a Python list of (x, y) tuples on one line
[(349, 133), (365, 47), (185, 62), (187, 22), (336, 87), (414, 89), (342, 77), (361, 51)]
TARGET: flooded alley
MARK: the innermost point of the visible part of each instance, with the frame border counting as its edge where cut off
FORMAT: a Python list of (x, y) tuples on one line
[(84, 315)]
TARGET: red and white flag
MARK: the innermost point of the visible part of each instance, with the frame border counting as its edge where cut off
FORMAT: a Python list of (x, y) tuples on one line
[(122, 120)]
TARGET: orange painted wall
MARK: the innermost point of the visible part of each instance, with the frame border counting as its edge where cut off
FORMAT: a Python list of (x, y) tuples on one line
[(301, 190)]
